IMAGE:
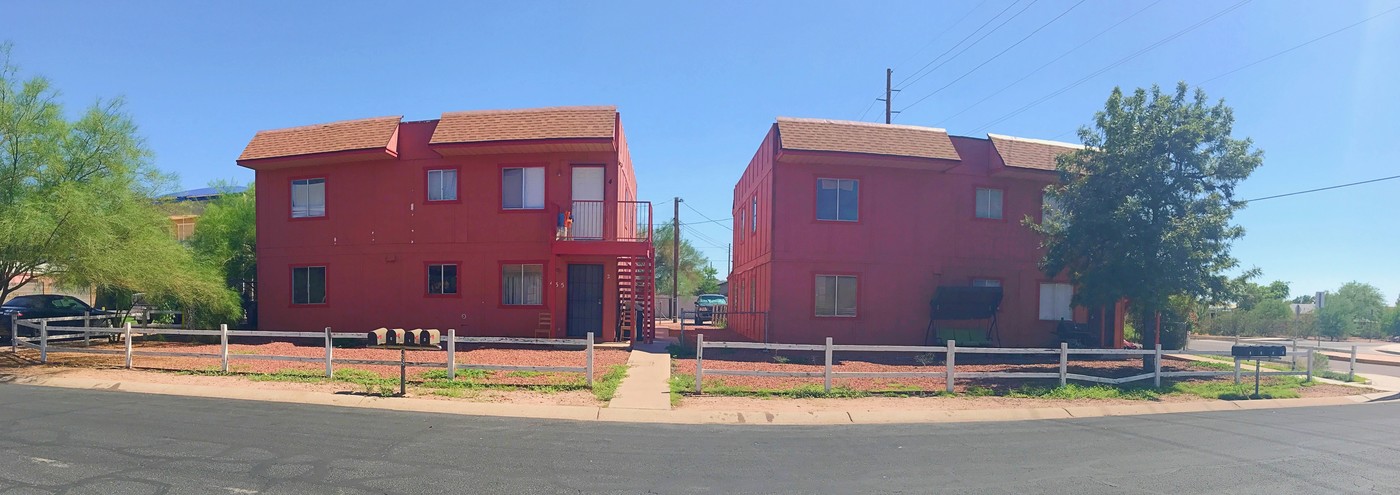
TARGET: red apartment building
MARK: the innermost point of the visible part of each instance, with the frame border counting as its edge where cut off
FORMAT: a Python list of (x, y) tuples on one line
[(521, 223), (846, 229)]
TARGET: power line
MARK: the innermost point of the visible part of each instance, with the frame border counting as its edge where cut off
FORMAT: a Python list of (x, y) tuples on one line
[(959, 43), (1111, 66), (1339, 186), (994, 57), (710, 221), (1051, 62), (697, 212), (1295, 47), (969, 47), (1231, 71), (942, 33)]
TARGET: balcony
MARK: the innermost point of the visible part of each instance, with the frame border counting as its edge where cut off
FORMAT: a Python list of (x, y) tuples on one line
[(612, 228)]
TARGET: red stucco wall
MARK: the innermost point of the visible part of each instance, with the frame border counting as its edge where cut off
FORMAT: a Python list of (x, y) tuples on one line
[(379, 233), (917, 230)]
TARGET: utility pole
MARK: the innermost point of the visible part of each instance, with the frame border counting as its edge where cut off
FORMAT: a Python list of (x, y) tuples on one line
[(728, 259), (675, 259), (889, 93)]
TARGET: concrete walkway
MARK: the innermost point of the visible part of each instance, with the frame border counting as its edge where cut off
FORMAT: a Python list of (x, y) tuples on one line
[(647, 385)]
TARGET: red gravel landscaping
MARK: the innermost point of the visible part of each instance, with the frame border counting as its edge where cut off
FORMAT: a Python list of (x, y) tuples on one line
[(753, 360), (604, 359)]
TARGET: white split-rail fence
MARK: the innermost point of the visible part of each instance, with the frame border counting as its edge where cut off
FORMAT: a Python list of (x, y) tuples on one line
[(43, 340), (949, 372)]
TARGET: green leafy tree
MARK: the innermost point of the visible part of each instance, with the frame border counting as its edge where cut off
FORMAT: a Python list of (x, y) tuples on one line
[(77, 202), (709, 283), (1355, 309), (225, 237), (1146, 206), (1304, 299), (692, 263)]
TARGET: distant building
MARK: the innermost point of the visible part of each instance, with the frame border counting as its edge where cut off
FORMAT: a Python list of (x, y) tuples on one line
[(1302, 309), (185, 207)]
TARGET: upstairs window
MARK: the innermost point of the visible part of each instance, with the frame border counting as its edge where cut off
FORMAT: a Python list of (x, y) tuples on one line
[(838, 199), (522, 285), (1048, 205), (1055, 302), (989, 203), (308, 285), (522, 188), (754, 221), (308, 198), (743, 218), (836, 295), (442, 185), (986, 282), (442, 279)]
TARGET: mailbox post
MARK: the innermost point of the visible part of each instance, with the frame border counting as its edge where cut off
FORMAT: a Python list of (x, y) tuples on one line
[(1255, 352), (397, 338)]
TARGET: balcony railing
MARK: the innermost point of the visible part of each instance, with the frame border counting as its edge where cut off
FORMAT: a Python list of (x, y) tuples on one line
[(597, 220)]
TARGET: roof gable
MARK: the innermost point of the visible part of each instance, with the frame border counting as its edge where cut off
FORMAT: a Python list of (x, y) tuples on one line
[(1036, 154), (866, 138), (347, 135), (486, 126)]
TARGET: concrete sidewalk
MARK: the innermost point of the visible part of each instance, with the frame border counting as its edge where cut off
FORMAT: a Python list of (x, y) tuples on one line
[(648, 382), (737, 417)]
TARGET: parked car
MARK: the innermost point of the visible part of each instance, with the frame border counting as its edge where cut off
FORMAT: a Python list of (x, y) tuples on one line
[(52, 306), (705, 307)]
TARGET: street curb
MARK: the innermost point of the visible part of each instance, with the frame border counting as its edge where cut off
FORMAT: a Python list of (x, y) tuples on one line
[(693, 417)]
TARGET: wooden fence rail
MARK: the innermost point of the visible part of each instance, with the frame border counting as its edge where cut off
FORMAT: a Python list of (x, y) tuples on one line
[(451, 363), (949, 371)]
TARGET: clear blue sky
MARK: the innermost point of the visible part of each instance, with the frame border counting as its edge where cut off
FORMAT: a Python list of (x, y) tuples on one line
[(699, 83)]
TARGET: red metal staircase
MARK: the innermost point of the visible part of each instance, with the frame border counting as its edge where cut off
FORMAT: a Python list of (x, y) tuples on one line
[(636, 286)]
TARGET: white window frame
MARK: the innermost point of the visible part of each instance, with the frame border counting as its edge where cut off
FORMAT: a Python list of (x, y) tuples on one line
[(308, 206), (446, 190), (753, 219), (988, 209), (522, 296), (836, 296), (528, 201), (1056, 301), (837, 218)]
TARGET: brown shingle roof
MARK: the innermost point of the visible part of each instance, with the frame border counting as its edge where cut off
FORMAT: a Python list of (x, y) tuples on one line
[(484, 126), (1030, 153), (863, 137), (347, 135)]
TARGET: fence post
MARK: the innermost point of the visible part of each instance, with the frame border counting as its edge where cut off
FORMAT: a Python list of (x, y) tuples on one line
[(14, 334), (1064, 362), (1310, 361), (126, 332), (827, 373), (1237, 371), (952, 352), (1157, 368), (330, 371), (1351, 371), (699, 360), (223, 347), (451, 354), (87, 327), (44, 341), (589, 364), (1293, 356)]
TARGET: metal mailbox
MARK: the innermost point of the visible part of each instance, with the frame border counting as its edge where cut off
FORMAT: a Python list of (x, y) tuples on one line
[(1258, 351)]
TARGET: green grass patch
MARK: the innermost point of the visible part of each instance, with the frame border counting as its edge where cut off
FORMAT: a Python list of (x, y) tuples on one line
[(1281, 387), (524, 374), (1072, 391), (604, 388)]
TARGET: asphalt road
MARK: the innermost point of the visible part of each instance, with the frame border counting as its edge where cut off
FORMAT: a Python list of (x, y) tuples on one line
[(1336, 365), (97, 442)]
